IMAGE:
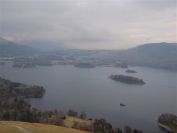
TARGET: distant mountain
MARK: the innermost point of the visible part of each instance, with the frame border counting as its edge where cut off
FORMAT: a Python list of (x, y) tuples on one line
[(162, 55), (10, 49), (45, 45)]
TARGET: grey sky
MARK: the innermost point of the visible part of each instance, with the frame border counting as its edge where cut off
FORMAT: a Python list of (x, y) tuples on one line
[(90, 24)]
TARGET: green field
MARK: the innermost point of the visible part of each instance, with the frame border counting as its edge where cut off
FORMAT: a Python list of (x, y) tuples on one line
[(8, 127)]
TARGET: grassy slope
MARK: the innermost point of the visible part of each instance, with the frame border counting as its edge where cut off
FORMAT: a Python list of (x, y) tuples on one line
[(69, 121), (8, 129), (35, 128)]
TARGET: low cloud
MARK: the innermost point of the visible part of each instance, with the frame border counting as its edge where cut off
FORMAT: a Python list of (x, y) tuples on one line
[(90, 24)]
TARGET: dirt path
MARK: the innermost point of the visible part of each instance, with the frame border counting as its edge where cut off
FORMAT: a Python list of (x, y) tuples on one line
[(20, 128)]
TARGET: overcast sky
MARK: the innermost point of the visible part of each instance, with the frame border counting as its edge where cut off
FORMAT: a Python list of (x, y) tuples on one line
[(89, 24)]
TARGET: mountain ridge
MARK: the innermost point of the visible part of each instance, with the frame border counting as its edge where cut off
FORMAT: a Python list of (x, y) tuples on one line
[(153, 54), (10, 49), (160, 55), (45, 45)]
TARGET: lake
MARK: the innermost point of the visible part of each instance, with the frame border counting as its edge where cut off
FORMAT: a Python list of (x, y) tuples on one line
[(90, 90)]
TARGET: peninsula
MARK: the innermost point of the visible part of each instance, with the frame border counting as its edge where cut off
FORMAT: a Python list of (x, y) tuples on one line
[(168, 122), (15, 89), (127, 79)]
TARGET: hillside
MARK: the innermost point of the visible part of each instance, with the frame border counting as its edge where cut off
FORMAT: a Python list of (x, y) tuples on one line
[(10, 49), (161, 55), (26, 127)]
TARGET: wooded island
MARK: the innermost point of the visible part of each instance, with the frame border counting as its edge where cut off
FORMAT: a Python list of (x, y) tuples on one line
[(127, 79)]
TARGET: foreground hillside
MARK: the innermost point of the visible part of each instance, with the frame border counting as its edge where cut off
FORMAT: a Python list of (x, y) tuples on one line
[(25, 127)]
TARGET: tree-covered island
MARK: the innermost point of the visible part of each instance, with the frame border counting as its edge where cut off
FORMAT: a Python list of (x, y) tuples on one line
[(127, 79)]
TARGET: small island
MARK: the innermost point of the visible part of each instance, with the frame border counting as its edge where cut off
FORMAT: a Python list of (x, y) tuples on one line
[(130, 71), (85, 65), (127, 79), (121, 104)]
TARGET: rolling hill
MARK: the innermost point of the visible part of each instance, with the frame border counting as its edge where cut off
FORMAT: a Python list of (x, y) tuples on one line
[(161, 55), (45, 45)]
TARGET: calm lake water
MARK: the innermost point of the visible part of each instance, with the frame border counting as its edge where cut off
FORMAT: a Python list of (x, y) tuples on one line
[(90, 90)]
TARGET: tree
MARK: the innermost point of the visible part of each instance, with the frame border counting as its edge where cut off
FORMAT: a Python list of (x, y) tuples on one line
[(127, 129), (118, 130), (135, 131), (6, 116), (71, 112), (83, 115), (14, 115)]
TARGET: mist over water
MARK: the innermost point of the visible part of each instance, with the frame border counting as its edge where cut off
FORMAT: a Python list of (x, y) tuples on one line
[(91, 90)]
